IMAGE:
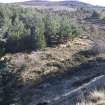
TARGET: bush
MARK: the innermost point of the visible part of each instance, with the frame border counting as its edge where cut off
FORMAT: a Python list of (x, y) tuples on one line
[(95, 14)]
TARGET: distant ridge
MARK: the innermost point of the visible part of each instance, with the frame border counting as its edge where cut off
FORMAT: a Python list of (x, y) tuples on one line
[(68, 3), (75, 4)]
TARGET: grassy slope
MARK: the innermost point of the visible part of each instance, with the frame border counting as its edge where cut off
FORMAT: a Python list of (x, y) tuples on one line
[(47, 61), (50, 63)]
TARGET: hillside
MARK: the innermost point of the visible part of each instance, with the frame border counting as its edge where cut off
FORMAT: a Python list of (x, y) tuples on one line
[(51, 53), (72, 68), (67, 3), (74, 4), (44, 65)]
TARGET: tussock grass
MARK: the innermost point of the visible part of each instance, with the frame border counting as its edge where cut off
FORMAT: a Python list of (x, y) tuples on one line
[(94, 98)]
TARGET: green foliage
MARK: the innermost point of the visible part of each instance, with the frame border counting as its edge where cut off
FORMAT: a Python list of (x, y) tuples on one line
[(66, 27), (95, 14), (59, 29), (8, 92), (27, 29), (52, 24)]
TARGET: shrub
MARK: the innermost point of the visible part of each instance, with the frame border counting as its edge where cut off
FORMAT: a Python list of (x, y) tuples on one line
[(95, 14)]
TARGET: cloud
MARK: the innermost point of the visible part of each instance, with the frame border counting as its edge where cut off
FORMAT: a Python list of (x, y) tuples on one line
[(95, 2)]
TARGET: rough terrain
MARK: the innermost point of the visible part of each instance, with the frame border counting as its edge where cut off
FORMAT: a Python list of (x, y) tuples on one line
[(57, 75)]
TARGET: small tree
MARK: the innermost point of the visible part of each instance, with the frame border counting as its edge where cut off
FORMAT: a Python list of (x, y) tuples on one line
[(52, 26), (67, 30), (39, 31), (95, 14)]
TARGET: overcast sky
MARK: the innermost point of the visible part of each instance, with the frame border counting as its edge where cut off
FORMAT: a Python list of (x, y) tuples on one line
[(94, 2)]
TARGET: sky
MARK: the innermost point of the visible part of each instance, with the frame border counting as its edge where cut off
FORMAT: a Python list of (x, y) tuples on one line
[(94, 2)]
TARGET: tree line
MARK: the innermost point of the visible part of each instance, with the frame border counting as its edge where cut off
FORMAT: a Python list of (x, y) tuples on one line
[(24, 29)]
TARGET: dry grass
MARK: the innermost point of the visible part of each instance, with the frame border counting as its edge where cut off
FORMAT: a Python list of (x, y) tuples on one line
[(94, 98), (46, 61)]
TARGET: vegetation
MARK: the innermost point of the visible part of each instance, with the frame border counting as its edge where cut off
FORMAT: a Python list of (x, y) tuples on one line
[(8, 94), (96, 97), (95, 14), (27, 29)]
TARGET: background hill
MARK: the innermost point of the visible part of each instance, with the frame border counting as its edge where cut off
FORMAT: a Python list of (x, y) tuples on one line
[(68, 3)]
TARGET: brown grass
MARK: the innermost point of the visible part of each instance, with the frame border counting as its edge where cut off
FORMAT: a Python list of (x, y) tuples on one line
[(95, 98)]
